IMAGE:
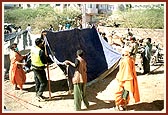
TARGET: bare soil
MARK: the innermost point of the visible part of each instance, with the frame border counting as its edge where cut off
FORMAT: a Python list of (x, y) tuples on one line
[(100, 95)]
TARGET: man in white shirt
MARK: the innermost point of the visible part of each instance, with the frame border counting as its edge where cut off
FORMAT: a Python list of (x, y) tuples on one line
[(28, 28), (29, 34)]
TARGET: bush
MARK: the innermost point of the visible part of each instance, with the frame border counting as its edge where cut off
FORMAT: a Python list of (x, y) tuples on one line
[(148, 18)]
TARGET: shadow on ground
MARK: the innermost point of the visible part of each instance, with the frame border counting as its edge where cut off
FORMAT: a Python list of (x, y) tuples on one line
[(157, 105), (94, 89), (60, 85), (99, 86)]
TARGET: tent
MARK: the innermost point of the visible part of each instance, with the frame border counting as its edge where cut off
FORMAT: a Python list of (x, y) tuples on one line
[(101, 58)]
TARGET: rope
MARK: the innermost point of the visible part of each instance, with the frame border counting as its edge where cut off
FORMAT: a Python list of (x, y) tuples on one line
[(15, 97)]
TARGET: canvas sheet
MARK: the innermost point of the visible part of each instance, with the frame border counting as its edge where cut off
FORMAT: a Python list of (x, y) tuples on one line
[(99, 55)]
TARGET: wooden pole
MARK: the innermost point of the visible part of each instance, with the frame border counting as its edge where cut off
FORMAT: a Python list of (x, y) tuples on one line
[(49, 86)]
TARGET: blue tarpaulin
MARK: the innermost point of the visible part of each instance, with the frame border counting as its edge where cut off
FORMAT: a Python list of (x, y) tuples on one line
[(99, 55), (13, 35)]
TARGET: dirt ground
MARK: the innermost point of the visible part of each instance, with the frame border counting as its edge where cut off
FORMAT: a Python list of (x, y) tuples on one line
[(152, 88), (100, 94)]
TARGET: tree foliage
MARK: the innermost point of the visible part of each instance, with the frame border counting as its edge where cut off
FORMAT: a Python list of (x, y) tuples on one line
[(41, 17), (144, 18)]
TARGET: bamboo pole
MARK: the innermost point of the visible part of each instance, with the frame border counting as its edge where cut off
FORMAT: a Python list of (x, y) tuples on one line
[(49, 86)]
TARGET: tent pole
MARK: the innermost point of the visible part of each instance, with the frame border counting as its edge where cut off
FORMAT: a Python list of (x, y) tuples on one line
[(49, 86)]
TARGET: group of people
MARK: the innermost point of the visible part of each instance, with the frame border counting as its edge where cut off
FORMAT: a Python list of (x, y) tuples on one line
[(145, 51), (126, 76), (136, 46), (61, 27), (38, 62)]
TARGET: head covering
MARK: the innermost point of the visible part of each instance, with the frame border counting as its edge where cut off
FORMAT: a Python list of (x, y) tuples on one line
[(126, 51)]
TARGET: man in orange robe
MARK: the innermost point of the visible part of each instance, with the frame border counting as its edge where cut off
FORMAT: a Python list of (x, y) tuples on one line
[(127, 80), (17, 75)]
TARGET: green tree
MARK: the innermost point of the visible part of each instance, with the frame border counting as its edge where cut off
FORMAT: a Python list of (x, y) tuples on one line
[(40, 17)]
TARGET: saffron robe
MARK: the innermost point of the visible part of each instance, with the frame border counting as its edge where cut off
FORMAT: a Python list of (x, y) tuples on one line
[(127, 79), (16, 72)]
